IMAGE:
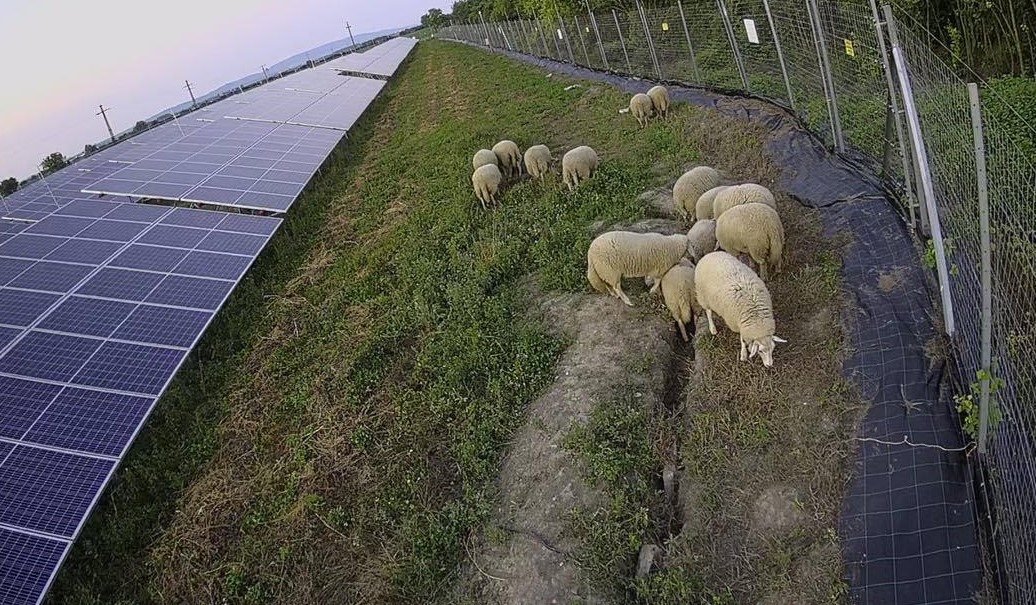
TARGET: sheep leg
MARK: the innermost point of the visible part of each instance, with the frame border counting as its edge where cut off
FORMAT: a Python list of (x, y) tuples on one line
[(744, 350), (622, 295), (656, 285), (712, 324), (764, 272), (683, 330)]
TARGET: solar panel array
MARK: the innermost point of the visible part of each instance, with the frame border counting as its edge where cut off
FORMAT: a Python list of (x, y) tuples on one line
[(102, 299), (382, 60)]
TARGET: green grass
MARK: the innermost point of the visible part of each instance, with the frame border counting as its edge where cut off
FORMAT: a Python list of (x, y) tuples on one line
[(336, 436)]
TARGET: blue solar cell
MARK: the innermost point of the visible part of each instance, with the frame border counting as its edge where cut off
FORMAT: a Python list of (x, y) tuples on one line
[(89, 316), (84, 251), (190, 217), (248, 223), (60, 225), (12, 226), (49, 491), (7, 336), (149, 258), (90, 421), (114, 231), (212, 264), (48, 356), (215, 195), (163, 326), (234, 243), (176, 237), (192, 292), (21, 403), (52, 277), (20, 308), (27, 562), (142, 213), (131, 368), (86, 208), (123, 284), (11, 268), (30, 246)]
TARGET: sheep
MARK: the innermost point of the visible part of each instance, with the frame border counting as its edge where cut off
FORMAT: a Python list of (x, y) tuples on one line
[(703, 207), (741, 194), (677, 287), (483, 157), (691, 185), (701, 239), (725, 285), (754, 229), (509, 157), (660, 99), (641, 108), (537, 160), (617, 254), (579, 163), (486, 181)]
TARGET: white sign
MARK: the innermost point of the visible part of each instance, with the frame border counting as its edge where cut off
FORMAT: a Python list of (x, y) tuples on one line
[(560, 37), (753, 36)]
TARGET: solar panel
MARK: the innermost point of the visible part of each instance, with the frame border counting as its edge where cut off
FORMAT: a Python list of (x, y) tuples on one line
[(28, 562), (382, 60)]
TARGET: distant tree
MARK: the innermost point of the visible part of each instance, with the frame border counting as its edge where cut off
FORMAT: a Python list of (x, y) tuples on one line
[(141, 126), (8, 186), (54, 162), (90, 150), (434, 18)]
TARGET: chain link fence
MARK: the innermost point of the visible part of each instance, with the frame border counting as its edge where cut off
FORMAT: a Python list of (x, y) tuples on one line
[(871, 87)]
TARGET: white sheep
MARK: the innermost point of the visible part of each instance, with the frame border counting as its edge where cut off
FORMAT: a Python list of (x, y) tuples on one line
[(482, 158), (486, 181), (578, 164), (617, 254), (509, 158), (754, 229), (744, 193), (641, 108), (701, 239), (677, 287), (537, 160), (703, 207), (691, 185), (725, 285), (660, 99)]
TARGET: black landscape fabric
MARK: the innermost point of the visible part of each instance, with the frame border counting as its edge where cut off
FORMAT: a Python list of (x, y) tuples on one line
[(907, 527)]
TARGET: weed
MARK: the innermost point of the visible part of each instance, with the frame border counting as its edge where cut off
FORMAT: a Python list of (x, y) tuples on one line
[(968, 404)]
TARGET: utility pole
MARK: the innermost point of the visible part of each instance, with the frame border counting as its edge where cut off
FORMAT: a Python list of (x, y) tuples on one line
[(106, 123), (194, 103), (266, 76), (350, 28)]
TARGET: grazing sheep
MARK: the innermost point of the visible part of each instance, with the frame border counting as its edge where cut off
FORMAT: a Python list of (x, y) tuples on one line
[(691, 185), (482, 158), (678, 292), (486, 181), (617, 254), (641, 108), (537, 160), (754, 229), (701, 239), (509, 157), (660, 99), (703, 207), (741, 194), (579, 163), (725, 285)]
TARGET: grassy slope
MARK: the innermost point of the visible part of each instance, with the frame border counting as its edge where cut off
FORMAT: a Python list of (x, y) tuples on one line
[(338, 432)]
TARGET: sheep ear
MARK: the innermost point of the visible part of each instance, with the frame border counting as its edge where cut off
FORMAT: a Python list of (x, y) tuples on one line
[(753, 349), (778, 339)]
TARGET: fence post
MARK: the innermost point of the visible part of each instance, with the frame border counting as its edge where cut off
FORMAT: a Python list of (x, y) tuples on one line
[(733, 44), (525, 37), (780, 52), (565, 35), (921, 153), (987, 267), (618, 28), (489, 42), (503, 34), (825, 74), (690, 48), (647, 36), (543, 39), (597, 32), (557, 47), (582, 41)]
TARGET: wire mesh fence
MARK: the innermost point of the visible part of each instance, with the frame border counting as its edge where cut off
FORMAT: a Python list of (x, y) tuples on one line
[(841, 67)]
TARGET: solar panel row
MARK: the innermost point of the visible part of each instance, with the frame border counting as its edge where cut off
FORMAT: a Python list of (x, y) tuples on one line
[(382, 60)]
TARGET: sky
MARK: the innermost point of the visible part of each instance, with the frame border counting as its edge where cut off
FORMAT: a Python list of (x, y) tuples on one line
[(62, 59)]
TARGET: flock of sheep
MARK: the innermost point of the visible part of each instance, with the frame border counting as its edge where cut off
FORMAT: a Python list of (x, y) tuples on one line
[(701, 270)]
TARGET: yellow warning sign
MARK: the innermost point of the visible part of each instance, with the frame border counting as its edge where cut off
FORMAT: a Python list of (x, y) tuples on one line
[(849, 48), (665, 26)]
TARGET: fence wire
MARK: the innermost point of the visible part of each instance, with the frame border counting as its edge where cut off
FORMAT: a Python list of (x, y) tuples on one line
[(831, 63)]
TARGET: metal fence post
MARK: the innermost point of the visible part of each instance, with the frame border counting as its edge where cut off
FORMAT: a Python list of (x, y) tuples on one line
[(600, 43), (733, 44), (690, 47), (921, 153), (582, 41), (647, 36), (557, 47), (565, 35), (489, 42), (825, 74), (780, 53), (546, 49), (986, 266), (525, 38), (503, 34), (618, 28)]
